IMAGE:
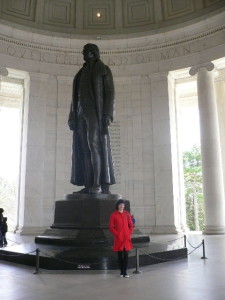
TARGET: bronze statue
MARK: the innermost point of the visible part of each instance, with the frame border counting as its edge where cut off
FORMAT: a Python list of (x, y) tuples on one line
[(90, 115)]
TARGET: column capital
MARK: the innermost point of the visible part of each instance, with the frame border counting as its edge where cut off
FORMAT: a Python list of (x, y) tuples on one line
[(3, 71), (207, 66)]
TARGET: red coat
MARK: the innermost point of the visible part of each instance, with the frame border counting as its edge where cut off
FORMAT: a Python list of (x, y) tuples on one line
[(121, 226)]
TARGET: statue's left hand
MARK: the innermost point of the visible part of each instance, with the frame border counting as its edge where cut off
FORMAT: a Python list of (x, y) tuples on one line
[(71, 124), (106, 121)]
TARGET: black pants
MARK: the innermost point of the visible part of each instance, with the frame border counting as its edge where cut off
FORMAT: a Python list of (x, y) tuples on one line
[(123, 261), (4, 240)]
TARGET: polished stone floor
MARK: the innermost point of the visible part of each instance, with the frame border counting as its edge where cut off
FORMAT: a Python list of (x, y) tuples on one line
[(186, 279)]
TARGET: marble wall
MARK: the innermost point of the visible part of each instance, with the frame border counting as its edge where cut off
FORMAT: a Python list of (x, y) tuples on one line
[(144, 132)]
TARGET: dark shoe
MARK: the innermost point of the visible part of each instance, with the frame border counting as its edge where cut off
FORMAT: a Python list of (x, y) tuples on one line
[(82, 191), (95, 190)]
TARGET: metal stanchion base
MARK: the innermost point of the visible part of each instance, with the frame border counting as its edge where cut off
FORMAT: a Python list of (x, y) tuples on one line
[(137, 272)]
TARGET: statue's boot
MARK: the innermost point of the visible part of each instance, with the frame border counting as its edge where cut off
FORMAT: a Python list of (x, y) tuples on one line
[(105, 189), (95, 190), (82, 191)]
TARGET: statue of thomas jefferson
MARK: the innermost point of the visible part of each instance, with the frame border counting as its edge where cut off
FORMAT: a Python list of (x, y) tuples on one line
[(90, 115)]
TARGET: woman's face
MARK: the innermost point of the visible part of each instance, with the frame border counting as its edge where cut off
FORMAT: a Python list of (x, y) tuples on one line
[(121, 207)]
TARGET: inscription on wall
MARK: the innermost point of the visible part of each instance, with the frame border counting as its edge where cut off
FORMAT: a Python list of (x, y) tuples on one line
[(152, 53), (142, 58), (116, 149), (111, 60)]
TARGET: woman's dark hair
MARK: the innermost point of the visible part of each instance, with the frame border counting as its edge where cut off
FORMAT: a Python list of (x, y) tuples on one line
[(119, 202)]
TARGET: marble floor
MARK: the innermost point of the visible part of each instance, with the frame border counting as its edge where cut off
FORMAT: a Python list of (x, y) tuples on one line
[(186, 279)]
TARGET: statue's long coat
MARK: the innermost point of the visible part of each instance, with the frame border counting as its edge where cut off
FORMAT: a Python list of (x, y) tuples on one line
[(102, 89)]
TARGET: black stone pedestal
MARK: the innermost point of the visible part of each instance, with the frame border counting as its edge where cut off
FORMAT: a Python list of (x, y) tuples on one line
[(79, 239), (81, 211), (82, 222)]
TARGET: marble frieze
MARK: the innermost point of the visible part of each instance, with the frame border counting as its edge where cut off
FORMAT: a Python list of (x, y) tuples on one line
[(115, 57)]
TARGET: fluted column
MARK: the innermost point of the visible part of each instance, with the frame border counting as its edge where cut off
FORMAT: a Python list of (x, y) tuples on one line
[(213, 188), (220, 95)]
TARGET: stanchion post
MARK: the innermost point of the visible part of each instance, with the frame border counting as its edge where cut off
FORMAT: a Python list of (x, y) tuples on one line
[(203, 249), (37, 261), (185, 241), (137, 263)]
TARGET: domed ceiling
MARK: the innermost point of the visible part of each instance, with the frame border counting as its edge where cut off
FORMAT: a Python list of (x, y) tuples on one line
[(104, 17)]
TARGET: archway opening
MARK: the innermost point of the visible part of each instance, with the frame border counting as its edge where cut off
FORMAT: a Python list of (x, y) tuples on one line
[(189, 141), (11, 103)]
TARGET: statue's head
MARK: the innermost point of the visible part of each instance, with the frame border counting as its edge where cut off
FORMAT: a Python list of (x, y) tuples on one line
[(90, 51)]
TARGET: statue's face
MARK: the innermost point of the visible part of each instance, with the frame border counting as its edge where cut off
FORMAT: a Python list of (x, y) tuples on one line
[(88, 54)]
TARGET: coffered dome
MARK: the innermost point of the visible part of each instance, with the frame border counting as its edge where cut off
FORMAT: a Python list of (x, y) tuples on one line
[(105, 17)]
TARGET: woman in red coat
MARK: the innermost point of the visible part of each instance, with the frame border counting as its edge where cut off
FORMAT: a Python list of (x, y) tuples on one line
[(121, 227)]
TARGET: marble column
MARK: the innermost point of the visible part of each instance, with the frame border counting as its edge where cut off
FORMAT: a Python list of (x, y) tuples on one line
[(213, 188), (166, 177), (220, 95)]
